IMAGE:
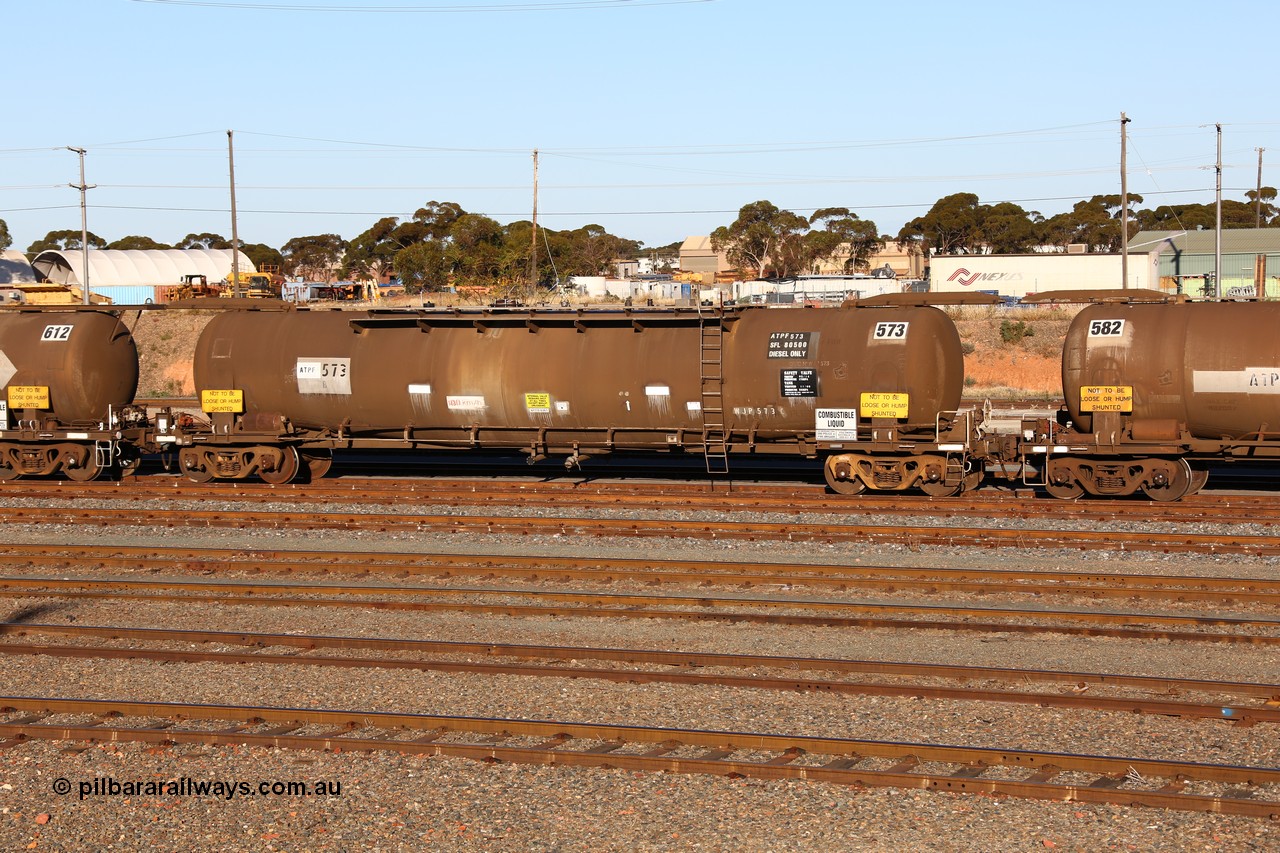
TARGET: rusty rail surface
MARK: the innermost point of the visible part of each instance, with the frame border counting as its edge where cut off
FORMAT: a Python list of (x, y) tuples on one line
[(1268, 712), (1092, 584), (1121, 780), (785, 498), (913, 535), (803, 611)]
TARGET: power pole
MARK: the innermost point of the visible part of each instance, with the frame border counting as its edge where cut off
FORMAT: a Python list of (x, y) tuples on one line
[(1257, 199), (1259, 260), (1217, 221), (235, 235), (533, 238), (1124, 206), (84, 225)]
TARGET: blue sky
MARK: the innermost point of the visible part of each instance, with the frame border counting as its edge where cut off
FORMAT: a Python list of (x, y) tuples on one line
[(656, 119)]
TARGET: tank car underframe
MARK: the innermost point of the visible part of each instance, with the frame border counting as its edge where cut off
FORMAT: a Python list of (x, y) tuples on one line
[(81, 455), (886, 459)]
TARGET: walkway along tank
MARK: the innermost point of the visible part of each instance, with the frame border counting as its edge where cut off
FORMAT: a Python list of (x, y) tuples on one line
[(68, 379), (1157, 386), (861, 386)]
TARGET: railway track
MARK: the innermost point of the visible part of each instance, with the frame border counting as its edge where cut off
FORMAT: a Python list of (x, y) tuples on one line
[(782, 498), (919, 680), (913, 535), (1190, 786), (932, 579), (778, 610)]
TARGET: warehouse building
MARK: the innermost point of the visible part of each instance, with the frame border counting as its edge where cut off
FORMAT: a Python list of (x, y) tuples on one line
[(1183, 261)]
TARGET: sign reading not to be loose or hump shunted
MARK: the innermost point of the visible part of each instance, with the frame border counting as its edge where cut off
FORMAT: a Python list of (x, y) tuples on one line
[(1106, 398)]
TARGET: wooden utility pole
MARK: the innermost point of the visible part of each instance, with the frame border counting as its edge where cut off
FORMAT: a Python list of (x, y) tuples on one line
[(84, 226), (1124, 205), (1259, 260), (1217, 221), (533, 238), (1257, 199), (235, 234)]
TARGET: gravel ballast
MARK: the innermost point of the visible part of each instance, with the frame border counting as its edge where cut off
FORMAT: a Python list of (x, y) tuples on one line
[(394, 802)]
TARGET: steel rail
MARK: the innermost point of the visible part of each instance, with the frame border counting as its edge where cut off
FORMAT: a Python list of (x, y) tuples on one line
[(789, 500), (1258, 591), (1078, 680), (915, 535), (1244, 714), (627, 605), (609, 745)]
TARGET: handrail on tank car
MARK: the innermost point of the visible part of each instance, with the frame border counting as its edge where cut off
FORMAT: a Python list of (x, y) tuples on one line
[(964, 415)]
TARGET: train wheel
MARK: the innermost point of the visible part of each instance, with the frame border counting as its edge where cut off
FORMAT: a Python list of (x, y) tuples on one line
[(191, 464), (318, 463), (848, 485), (80, 464), (941, 489), (1199, 476), (287, 470), (1061, 482), (8, 472), (1065, 491), (128, 459), (1177, 487)]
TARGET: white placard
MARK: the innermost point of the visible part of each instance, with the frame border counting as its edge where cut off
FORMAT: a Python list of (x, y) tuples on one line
[(1106, 328), (836, 424), (464, 403), (419, 389), (4, 414), (693, 406), (1251, 380), (657, 391), (56, 333), (890, 331), (323, 375)]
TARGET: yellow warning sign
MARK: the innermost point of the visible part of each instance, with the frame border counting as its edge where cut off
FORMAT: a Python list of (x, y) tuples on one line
[(883, 404), (28, 396), (538, 404), (1106, 398), (221, 400)]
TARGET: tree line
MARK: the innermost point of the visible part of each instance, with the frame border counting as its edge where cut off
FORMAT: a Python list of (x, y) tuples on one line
[(443, 245)]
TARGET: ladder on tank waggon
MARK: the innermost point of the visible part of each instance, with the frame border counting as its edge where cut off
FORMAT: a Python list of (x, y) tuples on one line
[(715, 439)]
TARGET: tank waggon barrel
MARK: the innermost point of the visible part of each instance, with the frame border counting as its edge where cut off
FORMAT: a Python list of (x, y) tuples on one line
[(68, 378), (1155, 390), (748, 380), (1212, 366)]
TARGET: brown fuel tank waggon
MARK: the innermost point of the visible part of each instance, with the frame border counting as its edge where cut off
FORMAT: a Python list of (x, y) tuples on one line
[(87, 361), (443, 373), (1213, 366)]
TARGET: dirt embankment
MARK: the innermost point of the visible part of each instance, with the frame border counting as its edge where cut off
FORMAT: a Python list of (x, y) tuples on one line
[(1013, 353), (1010, 353)]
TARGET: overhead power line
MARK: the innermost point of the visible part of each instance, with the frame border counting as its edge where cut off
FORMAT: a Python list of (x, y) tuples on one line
[(545, 6), (542, 212)]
